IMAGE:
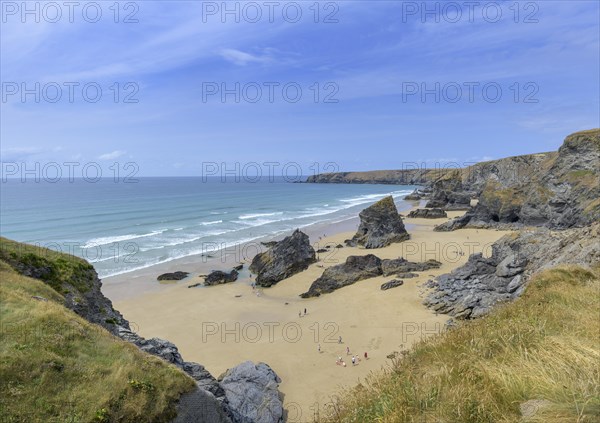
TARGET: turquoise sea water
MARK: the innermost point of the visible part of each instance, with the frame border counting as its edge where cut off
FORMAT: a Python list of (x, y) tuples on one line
[(121, 227)]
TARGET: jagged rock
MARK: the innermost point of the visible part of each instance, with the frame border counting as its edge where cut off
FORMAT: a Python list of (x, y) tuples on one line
[(401, 265), (391, 284), (380, 225), (217, 277), (339, 246), (428, 213), (474, 288), (354, 269), (175, 276), (416, 195), (269, 244), (239, 267), (321, 250), (253, 394), (512, 265), (200, 406), (287, 257), (170, 353)]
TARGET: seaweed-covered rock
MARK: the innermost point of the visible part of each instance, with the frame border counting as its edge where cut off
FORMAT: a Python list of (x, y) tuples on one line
[(217, 277), (174, 276)]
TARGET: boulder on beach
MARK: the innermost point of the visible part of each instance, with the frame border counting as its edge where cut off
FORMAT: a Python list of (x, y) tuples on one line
[(217, 277), (286, 258), (401, 265), (436, 213), (354, 269), (391, 284), (175, 276), (252, 391), (380, 226)]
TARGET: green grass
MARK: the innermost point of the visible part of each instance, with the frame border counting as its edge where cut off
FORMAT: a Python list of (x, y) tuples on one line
[(544, 346), (57, 367), (60, 271)]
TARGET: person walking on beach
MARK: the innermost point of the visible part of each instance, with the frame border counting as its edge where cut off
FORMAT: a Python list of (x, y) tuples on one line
[(366, 356), (340, 340), (353, 361), (305, 312), (347, 350), (319, 348)]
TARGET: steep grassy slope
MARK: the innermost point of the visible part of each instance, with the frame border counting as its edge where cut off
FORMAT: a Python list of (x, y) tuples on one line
[(532, 360), (57, 367)]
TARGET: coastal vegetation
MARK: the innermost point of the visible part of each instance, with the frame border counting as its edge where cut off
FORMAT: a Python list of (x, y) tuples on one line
[(58, 367), (531, 360)]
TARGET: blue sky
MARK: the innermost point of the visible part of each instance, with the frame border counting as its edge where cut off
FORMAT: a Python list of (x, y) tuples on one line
[(373, 55)]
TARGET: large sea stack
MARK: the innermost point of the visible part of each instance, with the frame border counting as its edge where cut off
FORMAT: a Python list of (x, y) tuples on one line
[(286, 258), (380, 225)]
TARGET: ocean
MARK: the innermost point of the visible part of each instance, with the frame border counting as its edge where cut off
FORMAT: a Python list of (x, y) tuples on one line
[(123, 227)]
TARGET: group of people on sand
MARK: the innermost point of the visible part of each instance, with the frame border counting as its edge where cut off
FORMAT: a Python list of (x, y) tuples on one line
[(355, 358)]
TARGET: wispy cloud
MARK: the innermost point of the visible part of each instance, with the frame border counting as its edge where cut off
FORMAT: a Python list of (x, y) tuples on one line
[(112, 155)]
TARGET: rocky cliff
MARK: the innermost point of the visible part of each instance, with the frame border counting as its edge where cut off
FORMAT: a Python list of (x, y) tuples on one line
[(473, 289), (556, 190), (393, 177)]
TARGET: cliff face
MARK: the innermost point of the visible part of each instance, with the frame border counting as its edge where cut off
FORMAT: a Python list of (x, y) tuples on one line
[(72, 277), (554, 189), (393, 177), (557, 190)]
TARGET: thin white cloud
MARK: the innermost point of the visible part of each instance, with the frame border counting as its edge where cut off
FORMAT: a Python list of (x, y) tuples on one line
[(112, 155), (241, 58)]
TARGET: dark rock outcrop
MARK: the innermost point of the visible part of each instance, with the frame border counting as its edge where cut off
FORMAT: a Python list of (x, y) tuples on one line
[(380, 225), (473, 289), (200, 406), (354, 269), (428, 213), (391, 284), (74, 278), (253, 394), (418, 194), (175, 276), (401, 265), (170, 353), (287, 257), (217, 277)]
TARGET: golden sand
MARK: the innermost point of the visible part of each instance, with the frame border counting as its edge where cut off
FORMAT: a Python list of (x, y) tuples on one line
[(222, 326)]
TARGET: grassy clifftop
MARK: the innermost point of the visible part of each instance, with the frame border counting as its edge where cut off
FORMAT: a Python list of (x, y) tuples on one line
[(533, 360), (56, 366)]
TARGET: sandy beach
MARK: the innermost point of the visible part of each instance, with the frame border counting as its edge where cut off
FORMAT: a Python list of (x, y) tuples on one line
[(224, 325)]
